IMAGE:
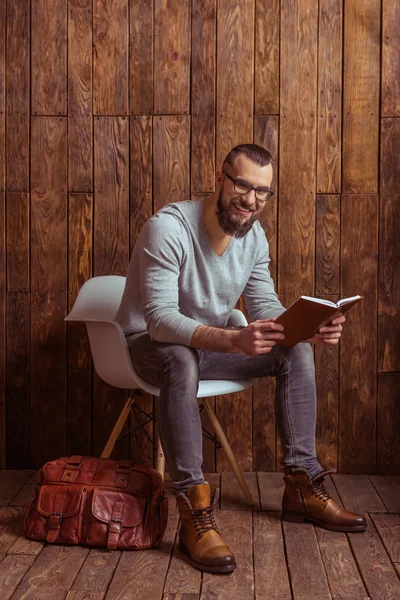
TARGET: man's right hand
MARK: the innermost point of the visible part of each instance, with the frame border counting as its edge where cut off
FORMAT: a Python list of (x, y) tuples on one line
[(258, 337)]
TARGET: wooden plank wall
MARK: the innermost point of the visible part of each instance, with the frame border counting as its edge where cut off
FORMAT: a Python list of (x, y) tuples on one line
[(109, 110)]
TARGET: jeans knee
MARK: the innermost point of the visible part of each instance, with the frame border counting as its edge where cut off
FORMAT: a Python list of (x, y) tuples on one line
[(181, 362), (302, 355)]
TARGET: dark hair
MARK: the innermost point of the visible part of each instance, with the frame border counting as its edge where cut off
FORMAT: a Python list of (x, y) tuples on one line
[(257, 154)]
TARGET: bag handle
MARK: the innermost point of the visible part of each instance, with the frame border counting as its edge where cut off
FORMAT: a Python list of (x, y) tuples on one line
[(71, 466)]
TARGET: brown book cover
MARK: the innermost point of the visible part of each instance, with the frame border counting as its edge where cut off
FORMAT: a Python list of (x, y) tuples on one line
[(305, 316)]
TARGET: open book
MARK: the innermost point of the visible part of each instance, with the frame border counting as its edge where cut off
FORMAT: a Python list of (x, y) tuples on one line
[(305, 316)]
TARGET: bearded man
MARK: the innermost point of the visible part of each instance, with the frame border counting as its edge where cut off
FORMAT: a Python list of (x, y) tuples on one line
[(191, 263)]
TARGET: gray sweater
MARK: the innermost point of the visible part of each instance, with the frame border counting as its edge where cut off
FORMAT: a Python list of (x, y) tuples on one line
[(176, 281)]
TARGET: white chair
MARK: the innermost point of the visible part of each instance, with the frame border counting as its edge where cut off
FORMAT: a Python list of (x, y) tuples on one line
[(96, 304)]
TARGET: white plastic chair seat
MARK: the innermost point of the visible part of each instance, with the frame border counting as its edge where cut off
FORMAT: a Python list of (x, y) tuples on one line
[(96, 304)]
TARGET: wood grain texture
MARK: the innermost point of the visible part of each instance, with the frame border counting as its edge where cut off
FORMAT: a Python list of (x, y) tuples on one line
[(361, 81), (390, 85), (388, 425), (3, 30), (80, 260), (171, 143), (234, 413), (327, 245), (80, 94), (18, 242), (49, 57), (110, 57), (266, 75), (141, 175), (359, 270), (79, 434), (141, 33), (48, 287), (329, 143), (171, 57), (18, 379), (235, 81), (18, 94), (3, 339), (111, 200), (297, 130), (203, 96), (327, 383)]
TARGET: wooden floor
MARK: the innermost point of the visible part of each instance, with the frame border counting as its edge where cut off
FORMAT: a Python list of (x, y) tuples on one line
[(276, 560)]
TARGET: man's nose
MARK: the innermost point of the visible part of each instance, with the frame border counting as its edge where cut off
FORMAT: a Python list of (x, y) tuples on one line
[(249, 198)]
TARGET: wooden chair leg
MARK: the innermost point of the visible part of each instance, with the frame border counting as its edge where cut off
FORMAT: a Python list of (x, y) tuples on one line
[(160, 460), (108, 448), (228, 451)]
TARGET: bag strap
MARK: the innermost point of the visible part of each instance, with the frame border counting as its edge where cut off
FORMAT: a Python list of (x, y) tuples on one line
[(56, 517), (115, 525), (71, 467), (123, 471)]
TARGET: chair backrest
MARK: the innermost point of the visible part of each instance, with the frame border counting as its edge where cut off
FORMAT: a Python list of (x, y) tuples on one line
[(98, 299)]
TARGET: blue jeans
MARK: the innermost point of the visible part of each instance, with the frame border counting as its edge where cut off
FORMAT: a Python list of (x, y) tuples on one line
[(177, 370)]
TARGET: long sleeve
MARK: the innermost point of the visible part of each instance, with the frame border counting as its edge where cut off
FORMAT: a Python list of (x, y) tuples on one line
[(161, 257), (261, 300)]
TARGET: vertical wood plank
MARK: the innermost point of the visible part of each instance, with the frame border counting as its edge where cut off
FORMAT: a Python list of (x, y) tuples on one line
[(329, 143), (327, 383), (266, 75), (18, 275), (2, 96), (80, 94), (18, 380), (110, 250), (48, 287), (141, 175), (388, 438), (357, 440), (235, 415), (172, 42), (141, 57), (3, 355), (361, 96), (203, 96), (171, 158), (18, 94), (79, 435), (266, 134), (389, 250), (49, 57), (327, 245), (297, 130), (390, 96), (80, 257), (235, 80), (110, 57)]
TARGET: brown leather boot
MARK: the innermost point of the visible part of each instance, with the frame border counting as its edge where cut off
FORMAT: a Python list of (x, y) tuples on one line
[(308, 500), (199, 537)]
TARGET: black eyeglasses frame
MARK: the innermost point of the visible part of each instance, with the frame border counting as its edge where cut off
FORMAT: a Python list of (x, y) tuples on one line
[(250, 186)]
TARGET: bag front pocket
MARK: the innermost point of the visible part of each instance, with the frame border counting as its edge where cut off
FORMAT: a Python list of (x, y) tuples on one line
[(117, 519), (56, 515)]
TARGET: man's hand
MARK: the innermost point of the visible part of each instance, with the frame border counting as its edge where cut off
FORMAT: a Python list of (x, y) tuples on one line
[(258, 337), (329, 334)]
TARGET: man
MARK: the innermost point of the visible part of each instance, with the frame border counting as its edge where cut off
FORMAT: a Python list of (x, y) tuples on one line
[(191, 263)]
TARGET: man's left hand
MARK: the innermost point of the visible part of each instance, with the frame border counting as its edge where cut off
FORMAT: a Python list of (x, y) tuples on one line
[(329, 334)]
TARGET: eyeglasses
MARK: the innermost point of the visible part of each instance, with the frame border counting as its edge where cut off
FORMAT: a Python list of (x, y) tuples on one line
[(243, 187)]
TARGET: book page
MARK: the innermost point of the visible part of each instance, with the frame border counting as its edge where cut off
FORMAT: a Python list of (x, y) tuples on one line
[(345, 300), (320, 300)]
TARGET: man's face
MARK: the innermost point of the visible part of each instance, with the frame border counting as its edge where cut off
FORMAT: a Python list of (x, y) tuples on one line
[(237, 212)]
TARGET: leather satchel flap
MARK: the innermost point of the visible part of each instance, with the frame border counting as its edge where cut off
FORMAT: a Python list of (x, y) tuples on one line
[(50, 496), (104, 501)]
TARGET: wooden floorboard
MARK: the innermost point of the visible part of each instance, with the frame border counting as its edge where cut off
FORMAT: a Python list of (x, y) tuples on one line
[(276, 560)]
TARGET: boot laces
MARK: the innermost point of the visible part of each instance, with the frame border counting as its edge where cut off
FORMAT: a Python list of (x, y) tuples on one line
[(320, 491), (203, 519)]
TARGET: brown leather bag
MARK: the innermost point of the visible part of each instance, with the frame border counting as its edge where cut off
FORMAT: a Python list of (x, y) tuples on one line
[(99, 502)]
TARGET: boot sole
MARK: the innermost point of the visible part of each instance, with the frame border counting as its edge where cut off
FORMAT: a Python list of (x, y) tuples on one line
[(203, 567), (296, 518)]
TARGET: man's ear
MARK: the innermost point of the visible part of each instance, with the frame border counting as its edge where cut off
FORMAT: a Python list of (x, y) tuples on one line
[(219, 178)]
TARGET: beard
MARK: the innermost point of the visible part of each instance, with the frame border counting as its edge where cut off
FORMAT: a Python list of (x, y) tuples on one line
[(230, 224)]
